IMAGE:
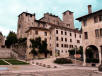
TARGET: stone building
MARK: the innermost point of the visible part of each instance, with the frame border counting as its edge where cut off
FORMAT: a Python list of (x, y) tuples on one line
[(60, 34), (92, 34), (2, 40)]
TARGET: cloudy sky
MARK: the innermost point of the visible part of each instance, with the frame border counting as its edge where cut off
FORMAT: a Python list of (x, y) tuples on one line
[(10, 9)]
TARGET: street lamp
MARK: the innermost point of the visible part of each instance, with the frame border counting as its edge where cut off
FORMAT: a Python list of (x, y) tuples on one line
[(75, 53)]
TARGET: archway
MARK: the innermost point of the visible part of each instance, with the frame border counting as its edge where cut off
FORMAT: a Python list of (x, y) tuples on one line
[(92, 54)]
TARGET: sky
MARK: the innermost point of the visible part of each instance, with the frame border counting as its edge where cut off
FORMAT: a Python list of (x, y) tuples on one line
[(10, 9)]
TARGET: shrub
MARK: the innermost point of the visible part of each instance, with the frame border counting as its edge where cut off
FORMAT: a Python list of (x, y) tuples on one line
[(92, 60), (63, 61), (100, 68)]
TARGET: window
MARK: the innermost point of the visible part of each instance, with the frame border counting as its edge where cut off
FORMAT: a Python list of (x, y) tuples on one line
[(101, 32), (75, 35), (36, 32), (70, 40), (97, 33), (61, 32), (66, 51), (61, 39), (67, 45), (70, 34), (65, 33), (85, 22), (57, 38), (65, 39), (61, 45), (62, 51), (56, 31), (78, 41), (86, 35), (100, 18), (72, 46), (80, 36), (57, 45), (45, 33), (95, 19)]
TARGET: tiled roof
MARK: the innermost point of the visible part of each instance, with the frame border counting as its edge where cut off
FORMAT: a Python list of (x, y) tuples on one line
[(88, 15)]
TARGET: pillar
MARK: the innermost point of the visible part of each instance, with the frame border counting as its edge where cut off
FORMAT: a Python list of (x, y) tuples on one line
[(100, 56), (84, 56)]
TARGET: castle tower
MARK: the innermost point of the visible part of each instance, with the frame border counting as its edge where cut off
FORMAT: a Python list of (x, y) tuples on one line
[(68, 19), (25, 20)]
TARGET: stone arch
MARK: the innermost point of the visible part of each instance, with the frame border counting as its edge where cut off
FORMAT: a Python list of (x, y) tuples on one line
[(92, 54)]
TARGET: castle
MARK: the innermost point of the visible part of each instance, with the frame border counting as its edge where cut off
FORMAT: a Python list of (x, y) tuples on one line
[(61, 35)]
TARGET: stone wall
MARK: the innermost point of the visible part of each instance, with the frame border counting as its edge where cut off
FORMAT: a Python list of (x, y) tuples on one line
[(7, 53), (20, 50)]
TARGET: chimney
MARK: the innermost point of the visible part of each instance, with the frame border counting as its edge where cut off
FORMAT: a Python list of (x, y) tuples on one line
[(89, 9)]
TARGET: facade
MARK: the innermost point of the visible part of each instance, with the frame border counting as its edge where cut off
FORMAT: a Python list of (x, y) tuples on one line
[(92, 34), (2, 40), (60, 34)]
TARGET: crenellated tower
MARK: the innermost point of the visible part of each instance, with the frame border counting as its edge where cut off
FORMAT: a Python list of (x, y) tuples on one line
[(25, 20), (68, 19)]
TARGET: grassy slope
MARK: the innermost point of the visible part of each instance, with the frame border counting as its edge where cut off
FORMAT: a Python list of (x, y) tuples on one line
[(16, 62), (3, 63)]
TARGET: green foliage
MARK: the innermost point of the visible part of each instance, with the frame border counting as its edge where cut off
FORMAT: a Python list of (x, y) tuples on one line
[(72, 51), (21, 40), (40, 45), (78, 51), (34, 52), (89, 60), (100, 68), (63, 61), (36, 43), (16, 62), (3, 63), (11, 39)]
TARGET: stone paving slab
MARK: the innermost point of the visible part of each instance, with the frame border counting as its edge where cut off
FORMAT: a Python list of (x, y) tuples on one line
[(70, 72)]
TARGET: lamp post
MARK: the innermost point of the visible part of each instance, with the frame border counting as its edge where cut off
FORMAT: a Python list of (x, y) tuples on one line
[(75, 54)]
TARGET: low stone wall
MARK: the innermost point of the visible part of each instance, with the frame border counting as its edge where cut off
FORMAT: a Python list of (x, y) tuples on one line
[(7, 53)]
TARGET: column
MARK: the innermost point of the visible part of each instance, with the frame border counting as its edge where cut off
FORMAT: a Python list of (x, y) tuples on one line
[(100, 57), (84, 56)]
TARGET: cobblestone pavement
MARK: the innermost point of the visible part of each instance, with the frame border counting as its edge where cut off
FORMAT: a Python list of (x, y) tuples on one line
[(70, 72)]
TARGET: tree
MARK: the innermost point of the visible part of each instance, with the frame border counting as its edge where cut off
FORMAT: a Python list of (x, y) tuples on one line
[(78, 51), (11, 39), (21, 40), (35, 45), (43, 48), (39, 46)]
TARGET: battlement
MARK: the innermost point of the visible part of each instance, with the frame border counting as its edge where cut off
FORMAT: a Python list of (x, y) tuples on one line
[(27, 14), (50, 14)]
